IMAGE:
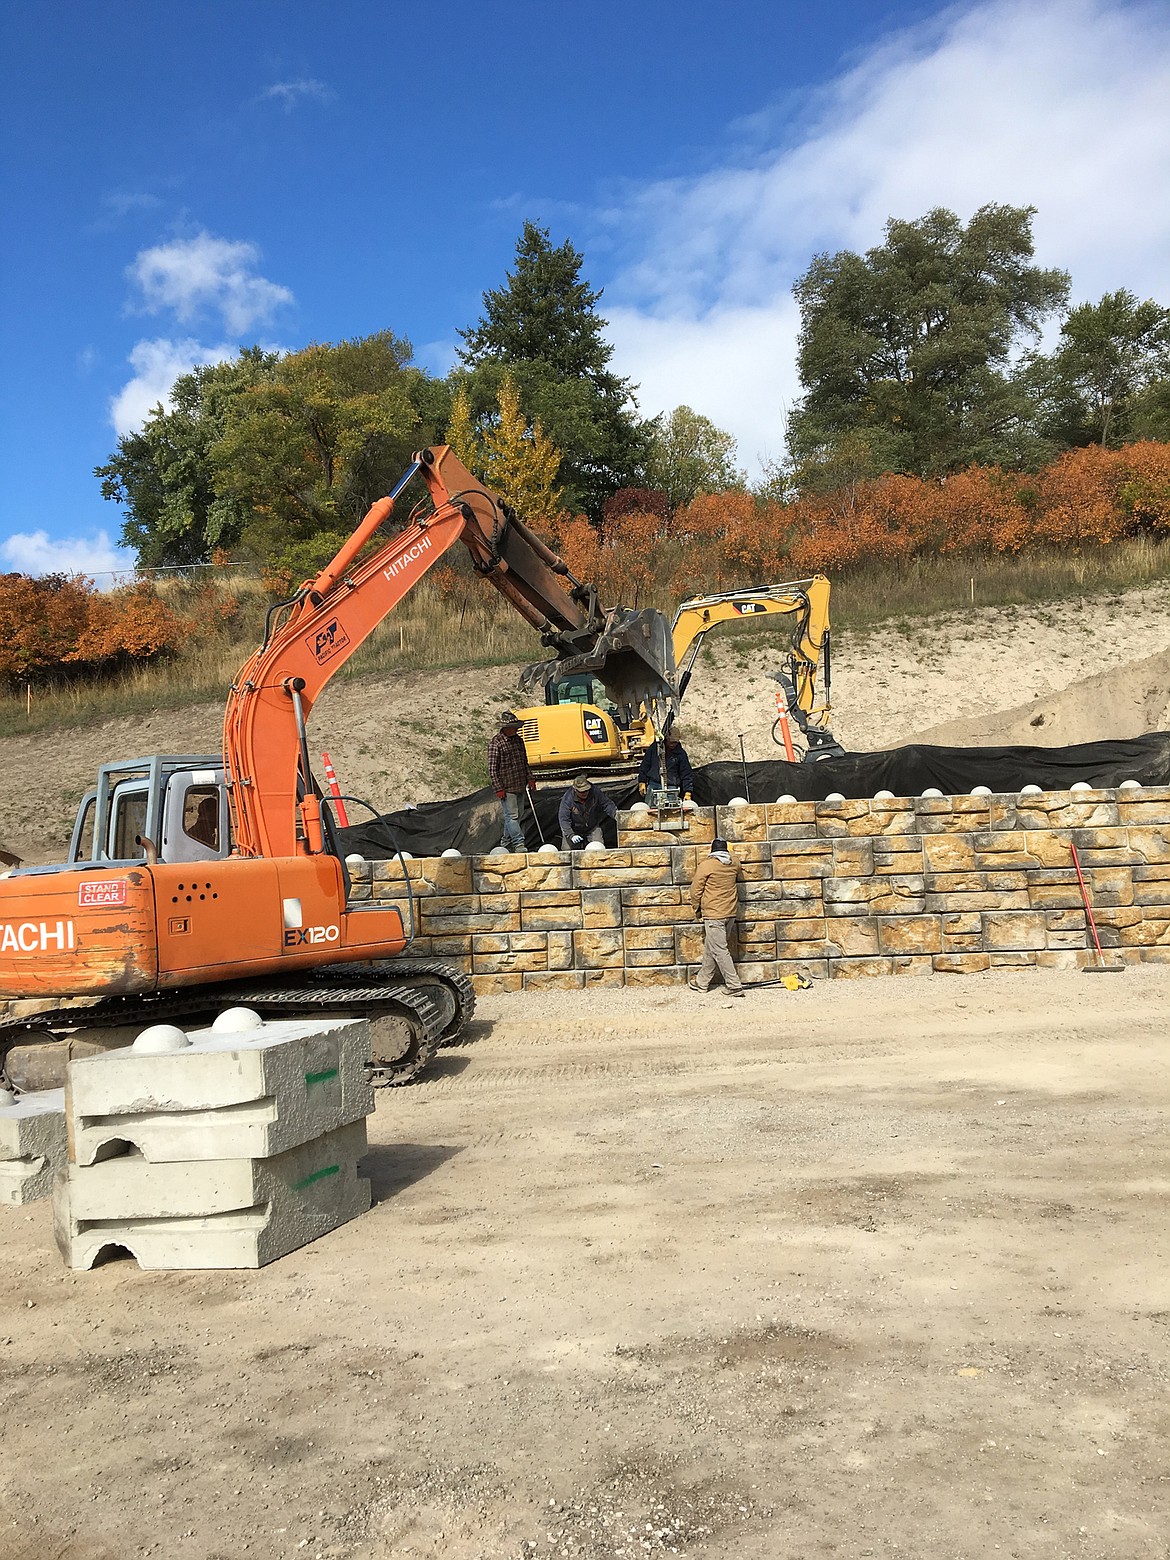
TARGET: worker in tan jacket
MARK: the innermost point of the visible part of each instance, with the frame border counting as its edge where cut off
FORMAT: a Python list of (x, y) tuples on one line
[(715, 897)]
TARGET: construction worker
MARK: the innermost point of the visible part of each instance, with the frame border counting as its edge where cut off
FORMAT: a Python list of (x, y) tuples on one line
[(714, 897), (584, 807), (678, 768), (510, 775)]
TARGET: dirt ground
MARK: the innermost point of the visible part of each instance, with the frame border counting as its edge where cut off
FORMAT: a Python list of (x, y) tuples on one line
[(878, 1269)]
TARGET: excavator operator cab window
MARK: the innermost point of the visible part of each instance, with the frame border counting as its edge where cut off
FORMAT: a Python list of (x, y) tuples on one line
[(128, 823), (201, 815), (83, 831), (582, 690), (195, 817)]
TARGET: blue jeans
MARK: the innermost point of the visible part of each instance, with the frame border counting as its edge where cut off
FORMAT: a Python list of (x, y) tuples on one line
[(513, 834)]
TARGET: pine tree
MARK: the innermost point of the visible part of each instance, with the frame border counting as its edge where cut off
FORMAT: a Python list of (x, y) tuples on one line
[(542, 330), (545, 314)]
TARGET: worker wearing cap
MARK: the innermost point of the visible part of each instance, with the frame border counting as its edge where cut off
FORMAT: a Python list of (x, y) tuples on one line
[(715, 897), (510, 776), (584, 807), (678, 768)]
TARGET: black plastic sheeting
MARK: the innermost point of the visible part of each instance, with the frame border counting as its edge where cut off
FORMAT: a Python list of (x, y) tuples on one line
[(471, 824)]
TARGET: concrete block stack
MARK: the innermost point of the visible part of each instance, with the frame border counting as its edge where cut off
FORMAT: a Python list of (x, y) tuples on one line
[(32, 1144), (226, 1148), (882, 886)]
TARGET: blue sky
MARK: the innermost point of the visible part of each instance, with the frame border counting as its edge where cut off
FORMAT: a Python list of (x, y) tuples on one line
[(180, 179)]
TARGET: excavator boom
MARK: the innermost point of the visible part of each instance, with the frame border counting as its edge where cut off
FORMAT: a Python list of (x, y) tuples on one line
[(809, 653)]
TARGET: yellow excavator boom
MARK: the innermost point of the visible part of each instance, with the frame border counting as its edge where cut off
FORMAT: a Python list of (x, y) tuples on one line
[(809, 645)]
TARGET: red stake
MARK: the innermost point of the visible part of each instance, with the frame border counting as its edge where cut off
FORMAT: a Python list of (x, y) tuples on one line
[(1088, 906)]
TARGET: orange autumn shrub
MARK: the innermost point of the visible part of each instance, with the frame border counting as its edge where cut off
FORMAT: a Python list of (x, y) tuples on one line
[(1144, 489), (984, 509), (724, 541), (41, 621), (1077, 500), (579, 544), (131, 622), (54, 623)]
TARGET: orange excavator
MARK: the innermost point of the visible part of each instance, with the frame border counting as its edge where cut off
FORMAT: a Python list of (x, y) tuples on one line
[(197, 882)]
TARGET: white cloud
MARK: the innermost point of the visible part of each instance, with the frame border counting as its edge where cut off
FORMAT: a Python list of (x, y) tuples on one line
[(35, 552), (289, 93), (439, 356), (157, 364), (735, 366), (124, 203), (205, 274), (1057, 104), (117, 206)]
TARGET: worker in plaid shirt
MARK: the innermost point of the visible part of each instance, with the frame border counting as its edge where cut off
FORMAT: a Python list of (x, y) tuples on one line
[(510, 776)]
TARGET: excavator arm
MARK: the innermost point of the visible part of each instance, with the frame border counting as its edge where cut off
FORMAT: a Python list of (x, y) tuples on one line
[(807, 599), (275, 806)]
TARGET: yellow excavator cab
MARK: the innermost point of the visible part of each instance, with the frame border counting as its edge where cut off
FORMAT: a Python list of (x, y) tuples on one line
[(577, 728)]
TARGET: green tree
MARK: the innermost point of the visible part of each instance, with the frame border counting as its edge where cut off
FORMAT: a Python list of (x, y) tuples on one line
[(1109, 372), (307, 452), (543, 330), (162, 474), (689, 455), (910, 346), (274, 458)]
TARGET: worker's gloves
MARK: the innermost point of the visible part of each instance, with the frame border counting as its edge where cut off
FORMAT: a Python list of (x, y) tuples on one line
[(578, 839), (641, 790), (532, 785), (501, 795)]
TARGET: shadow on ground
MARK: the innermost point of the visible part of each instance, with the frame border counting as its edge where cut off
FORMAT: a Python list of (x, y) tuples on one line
[(444, 1065), (392, 1167), (478, 1029)]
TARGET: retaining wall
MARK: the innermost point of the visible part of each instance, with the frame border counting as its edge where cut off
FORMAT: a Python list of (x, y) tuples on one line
[(833, 889)]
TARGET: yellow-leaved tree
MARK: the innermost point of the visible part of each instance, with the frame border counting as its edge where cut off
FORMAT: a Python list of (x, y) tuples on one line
[(518, 462), (461, 434)]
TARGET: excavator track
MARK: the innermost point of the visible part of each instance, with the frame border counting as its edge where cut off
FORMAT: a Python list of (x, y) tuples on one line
[(558, 774), (413, 1005), (434, 972)]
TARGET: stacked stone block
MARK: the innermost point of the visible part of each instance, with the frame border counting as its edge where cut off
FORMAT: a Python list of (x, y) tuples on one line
[(32, 1144), (227, 1152), (832, 889)]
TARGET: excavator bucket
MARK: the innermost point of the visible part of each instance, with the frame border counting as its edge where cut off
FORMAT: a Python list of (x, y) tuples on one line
[(634, 657)]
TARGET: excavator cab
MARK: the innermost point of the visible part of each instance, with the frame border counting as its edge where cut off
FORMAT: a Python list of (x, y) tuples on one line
[(173, 805), (579, 725)]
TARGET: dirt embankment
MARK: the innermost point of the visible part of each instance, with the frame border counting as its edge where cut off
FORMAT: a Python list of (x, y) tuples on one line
[(1094, 668)]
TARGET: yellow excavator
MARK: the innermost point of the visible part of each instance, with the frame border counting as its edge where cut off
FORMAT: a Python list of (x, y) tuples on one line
[(579, 727)]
